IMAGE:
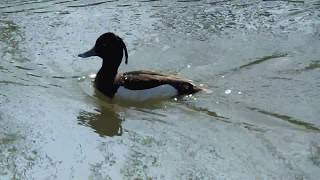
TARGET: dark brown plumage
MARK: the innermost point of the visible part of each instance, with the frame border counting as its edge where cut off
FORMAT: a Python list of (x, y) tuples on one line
[(138, 80), (110, 48)]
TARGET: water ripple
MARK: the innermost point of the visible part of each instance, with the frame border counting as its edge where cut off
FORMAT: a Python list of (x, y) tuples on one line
[(90, 4)]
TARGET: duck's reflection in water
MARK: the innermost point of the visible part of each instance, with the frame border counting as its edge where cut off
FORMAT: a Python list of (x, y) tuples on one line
[(105, 120)]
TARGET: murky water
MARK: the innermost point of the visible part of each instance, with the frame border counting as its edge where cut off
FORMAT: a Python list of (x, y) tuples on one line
[(259, 58)]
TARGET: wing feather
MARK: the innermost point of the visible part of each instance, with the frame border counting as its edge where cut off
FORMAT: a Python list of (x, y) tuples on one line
[(138, 80)]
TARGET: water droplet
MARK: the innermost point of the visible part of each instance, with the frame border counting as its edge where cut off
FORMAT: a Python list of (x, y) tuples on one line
[(222, 76), (239, 92), (81, 78), (166, 47), (188, 66), (92, 76), (228, 91), (175, 99)]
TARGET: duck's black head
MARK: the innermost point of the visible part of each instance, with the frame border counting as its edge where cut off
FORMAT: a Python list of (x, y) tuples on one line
[(109, 47)]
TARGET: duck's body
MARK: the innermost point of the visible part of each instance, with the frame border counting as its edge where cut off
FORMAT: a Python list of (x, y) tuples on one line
[(135, 85), (147, 85)]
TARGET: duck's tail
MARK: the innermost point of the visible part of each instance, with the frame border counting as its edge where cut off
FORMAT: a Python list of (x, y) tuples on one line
[(201, 88), (190, 88)]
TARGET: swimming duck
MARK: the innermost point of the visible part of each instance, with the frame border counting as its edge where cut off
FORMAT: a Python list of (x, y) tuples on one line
[(134, 85)]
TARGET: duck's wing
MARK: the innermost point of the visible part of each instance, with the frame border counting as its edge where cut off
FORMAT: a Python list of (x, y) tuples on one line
[(146, 72), (138, 80)]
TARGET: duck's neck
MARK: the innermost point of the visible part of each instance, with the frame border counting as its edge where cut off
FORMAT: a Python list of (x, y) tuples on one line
[(107, 73), (105, 79)]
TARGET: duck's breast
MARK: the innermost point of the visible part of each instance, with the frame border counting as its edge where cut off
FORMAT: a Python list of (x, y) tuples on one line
[(159, 92)]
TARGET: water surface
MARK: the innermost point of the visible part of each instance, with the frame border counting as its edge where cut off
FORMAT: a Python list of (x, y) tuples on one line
[(260, 59)]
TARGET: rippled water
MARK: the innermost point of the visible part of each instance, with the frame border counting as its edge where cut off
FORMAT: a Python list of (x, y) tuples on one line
[(260, 59)]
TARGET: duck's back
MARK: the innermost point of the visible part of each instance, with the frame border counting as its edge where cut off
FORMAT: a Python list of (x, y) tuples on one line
[(149, 84)]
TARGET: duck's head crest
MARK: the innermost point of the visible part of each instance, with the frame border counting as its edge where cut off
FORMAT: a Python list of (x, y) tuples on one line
[(109, 47)]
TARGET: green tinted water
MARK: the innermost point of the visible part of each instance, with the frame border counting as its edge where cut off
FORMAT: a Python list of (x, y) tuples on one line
[(259, 59)]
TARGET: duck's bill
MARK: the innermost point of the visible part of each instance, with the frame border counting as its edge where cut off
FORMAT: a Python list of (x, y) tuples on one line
[(89, 53)]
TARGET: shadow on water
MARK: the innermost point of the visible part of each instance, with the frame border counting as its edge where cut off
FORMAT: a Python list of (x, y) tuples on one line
[(124, 5), (256, 62), (90, 4), (288, 119), (263, 59), (24, 10), (149, 0), (217, 2), (23, 3), (215, 116), (63, 2), (313, 65), (105, 120), (188, 0)]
